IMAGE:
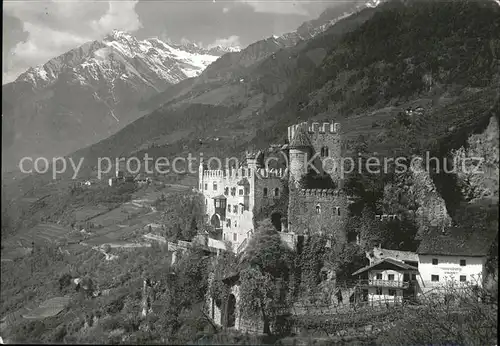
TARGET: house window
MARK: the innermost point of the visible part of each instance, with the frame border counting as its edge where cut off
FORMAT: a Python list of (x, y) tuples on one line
[(242, 209), (235, 223), (318, 209), (247, 190), (215, 186), (228, 223), (229, 208), (235, 209), (249, 172), (226, 191), (379, 276), (435, 278), (324, 152), (217, 203), (200, 186), (463, 278), (206, 186), (390, 277), (265, 192), (233, 191), (462, 263), (392, 293), (434, 261), (243, 172), (276, 192), (414, 277), (378, 291), (235, 237), (240, 192)]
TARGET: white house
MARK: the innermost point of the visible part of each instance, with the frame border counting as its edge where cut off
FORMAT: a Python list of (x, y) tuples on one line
[(453, 256), (387, 280)]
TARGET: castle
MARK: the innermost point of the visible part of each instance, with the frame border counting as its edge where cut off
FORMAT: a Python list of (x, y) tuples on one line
[(234, 195)]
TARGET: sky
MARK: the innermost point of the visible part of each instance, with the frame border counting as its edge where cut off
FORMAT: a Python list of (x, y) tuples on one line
[(36, 31)]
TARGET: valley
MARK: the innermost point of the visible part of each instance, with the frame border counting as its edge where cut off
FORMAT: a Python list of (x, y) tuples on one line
[(253, 254)]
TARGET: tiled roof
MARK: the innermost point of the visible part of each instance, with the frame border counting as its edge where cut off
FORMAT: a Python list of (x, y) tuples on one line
[(399, 264), (456, 241), (395, 254), (300, 139)]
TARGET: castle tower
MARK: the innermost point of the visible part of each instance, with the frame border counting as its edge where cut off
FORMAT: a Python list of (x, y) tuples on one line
[(251, 158), (300, 152), (201, 169)]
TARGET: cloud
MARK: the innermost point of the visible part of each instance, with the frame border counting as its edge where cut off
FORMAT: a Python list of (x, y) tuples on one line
[(298, 8), (121, 15), (54, 27), (231, 41), (225, 10)]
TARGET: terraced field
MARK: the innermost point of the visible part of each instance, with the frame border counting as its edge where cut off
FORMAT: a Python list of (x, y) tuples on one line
[(48, 308), (47, 233)]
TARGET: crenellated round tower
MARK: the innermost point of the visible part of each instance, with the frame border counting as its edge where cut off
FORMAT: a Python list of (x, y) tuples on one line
[(300, 150)]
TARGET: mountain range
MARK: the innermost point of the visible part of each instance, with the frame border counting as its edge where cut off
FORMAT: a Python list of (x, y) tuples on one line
[(362, 70), (90, 92)]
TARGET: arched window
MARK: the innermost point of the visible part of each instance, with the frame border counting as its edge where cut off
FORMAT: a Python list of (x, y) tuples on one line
[(215, 186), (276, 192), (324, 152), (233, 191), (265, 192), (318, 209)]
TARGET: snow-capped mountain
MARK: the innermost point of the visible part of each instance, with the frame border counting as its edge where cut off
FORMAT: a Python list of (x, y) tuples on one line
[(88, 93), (162, 63)]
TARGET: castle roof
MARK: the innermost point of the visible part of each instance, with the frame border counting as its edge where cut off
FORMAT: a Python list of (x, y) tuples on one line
[(300, 139)]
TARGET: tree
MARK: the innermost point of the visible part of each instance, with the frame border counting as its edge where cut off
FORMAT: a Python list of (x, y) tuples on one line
[(265, 278)]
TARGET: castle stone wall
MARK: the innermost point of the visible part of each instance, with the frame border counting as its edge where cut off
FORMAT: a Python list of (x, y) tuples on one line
[(318, 212)]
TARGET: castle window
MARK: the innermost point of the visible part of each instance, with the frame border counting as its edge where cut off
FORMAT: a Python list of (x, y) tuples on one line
[(276, 192), (226, 191), (247, 190), (324, 152), (318, 209), (337, 211), (265, 192), (215, 186), (240, 192)]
